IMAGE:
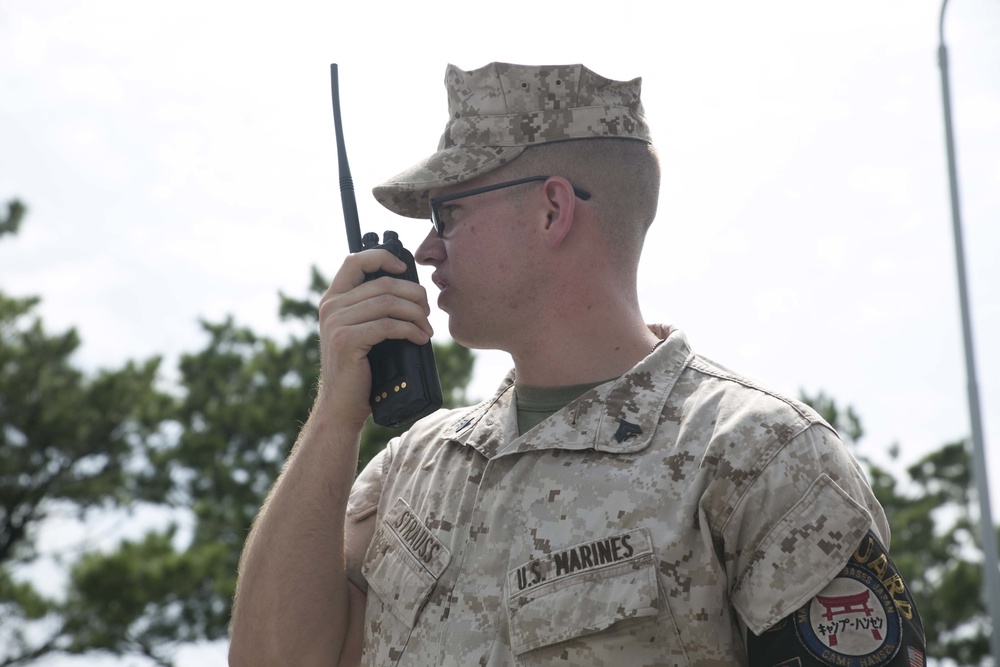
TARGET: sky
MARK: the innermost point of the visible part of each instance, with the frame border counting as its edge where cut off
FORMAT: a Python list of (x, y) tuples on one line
[(178, 163)]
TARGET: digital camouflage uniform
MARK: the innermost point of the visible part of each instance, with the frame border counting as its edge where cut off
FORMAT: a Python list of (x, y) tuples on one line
[(680, 515), (640, 525)]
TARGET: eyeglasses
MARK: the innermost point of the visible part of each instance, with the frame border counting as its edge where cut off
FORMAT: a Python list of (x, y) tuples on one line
[(439, 223)]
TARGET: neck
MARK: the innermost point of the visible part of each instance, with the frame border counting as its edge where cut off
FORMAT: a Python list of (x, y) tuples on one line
[(582, 344)]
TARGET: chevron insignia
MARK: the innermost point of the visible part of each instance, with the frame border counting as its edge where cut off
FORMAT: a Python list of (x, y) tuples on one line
[(626, 430)]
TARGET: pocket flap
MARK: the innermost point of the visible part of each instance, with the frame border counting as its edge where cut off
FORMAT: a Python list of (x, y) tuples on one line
[(803, 551), (401, 568), (552, 603)]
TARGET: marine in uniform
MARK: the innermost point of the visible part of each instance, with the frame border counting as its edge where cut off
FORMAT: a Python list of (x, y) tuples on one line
[(674, 514)]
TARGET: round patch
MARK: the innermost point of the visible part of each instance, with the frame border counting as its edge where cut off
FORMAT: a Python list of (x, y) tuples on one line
[(852, 622)]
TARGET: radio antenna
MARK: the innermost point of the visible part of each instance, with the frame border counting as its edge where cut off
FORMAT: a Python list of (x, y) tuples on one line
[(346, 182)]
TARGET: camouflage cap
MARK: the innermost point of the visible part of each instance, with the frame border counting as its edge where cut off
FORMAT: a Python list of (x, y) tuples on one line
[(494, 112)]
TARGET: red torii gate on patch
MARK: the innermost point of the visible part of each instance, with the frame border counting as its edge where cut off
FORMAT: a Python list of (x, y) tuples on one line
[(847, 604)]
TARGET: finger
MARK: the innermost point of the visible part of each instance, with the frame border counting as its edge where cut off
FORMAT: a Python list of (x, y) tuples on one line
[(404, 289), (393, 329), (401, 299), (352, 271), (366, 335), (341, 312)]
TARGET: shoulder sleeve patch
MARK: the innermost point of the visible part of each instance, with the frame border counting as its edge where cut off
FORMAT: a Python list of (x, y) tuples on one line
[(865, 617)]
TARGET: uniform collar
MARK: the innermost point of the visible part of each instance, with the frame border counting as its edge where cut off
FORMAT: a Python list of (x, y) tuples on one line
[(618, 417)]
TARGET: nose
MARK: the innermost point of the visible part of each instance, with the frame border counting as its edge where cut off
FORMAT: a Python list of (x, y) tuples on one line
[(431, 250)]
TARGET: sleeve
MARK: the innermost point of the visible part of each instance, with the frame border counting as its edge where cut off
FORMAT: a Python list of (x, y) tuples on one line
[(864, 616), (796, 526), (362, 511)]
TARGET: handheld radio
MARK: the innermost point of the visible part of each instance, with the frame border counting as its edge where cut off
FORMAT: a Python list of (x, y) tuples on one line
[(405, 383)]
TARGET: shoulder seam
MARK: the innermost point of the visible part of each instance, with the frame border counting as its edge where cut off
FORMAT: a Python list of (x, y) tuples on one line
[(702, 365)]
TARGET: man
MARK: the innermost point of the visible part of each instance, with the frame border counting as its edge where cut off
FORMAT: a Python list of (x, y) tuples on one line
[(620, 500)]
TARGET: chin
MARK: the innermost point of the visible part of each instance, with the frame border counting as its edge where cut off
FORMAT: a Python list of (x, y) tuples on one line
[(468, 337), (458, 334)]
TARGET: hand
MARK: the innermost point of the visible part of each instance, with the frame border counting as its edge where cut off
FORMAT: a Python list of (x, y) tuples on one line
[(355, 315)]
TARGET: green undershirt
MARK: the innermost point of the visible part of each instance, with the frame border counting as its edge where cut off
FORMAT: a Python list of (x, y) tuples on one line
[(534, 404)]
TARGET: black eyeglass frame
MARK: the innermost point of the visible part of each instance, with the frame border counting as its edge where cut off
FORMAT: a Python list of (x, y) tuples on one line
[(435, 201)]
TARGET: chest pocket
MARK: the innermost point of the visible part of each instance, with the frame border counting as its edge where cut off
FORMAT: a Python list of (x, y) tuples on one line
[(402, 565), (593, 603)]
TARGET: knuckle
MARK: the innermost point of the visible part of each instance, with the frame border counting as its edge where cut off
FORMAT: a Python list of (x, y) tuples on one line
[(327, 306), (385, 301), (351, 265), (339, 337)]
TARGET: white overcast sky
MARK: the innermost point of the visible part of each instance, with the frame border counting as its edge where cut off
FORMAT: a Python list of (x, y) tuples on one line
[(178, 162)]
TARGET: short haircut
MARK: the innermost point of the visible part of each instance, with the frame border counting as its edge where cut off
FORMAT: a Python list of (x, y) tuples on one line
[(622, 176)]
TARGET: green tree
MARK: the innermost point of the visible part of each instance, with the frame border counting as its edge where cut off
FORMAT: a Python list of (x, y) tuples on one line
[(935, 541), (67, 446), (10, 223)]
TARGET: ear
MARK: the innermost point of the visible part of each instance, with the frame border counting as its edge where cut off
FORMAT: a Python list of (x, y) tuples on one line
[(558, 211)]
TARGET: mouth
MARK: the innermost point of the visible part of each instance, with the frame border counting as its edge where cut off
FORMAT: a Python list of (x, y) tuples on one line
[(442, 286), (440, 282)]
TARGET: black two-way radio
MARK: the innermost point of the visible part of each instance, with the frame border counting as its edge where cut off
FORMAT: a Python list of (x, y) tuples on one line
[(405, 383)]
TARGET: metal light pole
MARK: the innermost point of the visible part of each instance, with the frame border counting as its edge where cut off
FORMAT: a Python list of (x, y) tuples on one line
[(991, 573)]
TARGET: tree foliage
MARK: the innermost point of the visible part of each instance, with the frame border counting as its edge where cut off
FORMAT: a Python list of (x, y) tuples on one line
[(10, 223), (67, 446)]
